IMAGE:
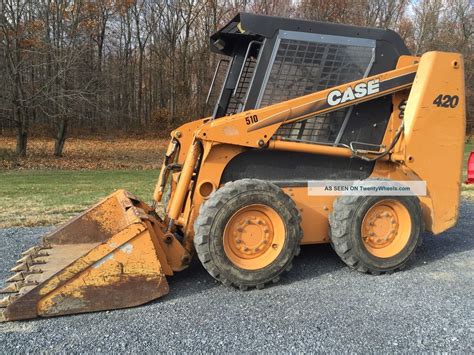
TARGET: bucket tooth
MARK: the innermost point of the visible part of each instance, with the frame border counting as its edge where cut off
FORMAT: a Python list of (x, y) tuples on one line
[(4, 302), (20, 267), (30, 258), (25, 259), (14, 287), (32, 250), (17, 277)]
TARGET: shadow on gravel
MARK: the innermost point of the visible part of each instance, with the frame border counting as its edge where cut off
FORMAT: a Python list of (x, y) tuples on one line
[(317, 260), (193, 280), (313, 262)]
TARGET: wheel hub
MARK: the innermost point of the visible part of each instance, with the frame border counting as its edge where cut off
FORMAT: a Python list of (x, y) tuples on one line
[(252, 234), (381, 227), (254, 237), (386, 228)]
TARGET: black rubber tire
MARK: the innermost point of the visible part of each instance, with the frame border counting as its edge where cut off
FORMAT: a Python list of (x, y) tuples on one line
[(345, 233), (213, 217)]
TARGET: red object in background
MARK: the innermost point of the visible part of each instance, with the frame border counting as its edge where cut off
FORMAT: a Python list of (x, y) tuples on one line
[(470, 169)]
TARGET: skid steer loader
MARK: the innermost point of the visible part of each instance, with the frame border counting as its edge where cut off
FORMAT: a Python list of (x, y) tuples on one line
[(299, 101)]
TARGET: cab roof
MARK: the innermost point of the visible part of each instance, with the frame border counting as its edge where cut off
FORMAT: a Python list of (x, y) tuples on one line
[(247, 27)]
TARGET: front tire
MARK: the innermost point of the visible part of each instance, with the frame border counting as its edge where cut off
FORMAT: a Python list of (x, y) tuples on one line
[(247, 233)]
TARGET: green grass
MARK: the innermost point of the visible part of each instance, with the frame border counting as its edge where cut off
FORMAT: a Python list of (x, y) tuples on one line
[(32, 198)]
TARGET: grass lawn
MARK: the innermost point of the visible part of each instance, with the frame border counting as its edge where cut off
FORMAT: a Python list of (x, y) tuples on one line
[(32, 198)]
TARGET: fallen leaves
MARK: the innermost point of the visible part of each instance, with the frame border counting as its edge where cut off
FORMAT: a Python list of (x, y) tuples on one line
[(85, 154)]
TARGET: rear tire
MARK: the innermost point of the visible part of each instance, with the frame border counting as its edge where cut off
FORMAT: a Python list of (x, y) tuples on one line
[(247, 233), (376, 234)]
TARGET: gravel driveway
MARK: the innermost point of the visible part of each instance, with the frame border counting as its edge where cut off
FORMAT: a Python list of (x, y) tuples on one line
[(320, 305)]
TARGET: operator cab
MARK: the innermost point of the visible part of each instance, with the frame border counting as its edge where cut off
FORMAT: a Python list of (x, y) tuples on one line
[(269, 59)]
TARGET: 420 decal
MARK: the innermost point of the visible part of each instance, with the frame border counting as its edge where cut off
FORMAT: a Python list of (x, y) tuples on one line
[(447, 101)]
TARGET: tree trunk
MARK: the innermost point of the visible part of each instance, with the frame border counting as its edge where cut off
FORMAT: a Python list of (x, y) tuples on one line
[(21, 140), (60, 138)]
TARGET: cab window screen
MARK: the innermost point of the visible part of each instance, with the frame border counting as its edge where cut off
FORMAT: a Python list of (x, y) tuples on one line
[(303, 67), (236, 102)]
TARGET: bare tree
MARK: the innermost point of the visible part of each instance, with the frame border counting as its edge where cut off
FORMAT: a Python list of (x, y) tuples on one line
[(102, 65)]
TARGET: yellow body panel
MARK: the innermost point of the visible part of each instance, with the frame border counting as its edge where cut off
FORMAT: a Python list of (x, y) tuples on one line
[(434, 135)]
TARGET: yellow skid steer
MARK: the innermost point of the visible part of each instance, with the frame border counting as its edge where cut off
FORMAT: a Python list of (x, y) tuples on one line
[(297, 102)]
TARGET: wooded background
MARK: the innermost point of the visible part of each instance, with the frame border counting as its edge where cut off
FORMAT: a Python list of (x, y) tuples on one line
[(101, 66)]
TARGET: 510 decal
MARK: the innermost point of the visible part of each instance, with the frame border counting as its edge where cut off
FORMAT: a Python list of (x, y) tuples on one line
[(251, 119), (447, 101)]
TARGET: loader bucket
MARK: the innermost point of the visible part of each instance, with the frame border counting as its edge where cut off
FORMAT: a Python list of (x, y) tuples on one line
[(114, 255)]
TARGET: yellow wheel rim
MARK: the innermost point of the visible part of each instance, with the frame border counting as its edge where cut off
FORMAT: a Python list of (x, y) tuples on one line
[(386, 228), (254, 237)]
